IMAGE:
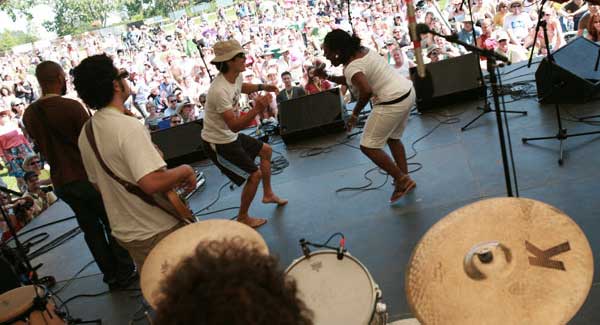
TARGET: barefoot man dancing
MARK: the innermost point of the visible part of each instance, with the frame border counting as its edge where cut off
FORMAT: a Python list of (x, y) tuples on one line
[(234, 152)]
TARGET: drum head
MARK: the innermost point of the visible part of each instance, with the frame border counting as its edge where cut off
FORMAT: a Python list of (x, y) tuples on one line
[(535, 266), (16, 302), (338, 292), (183, 242)]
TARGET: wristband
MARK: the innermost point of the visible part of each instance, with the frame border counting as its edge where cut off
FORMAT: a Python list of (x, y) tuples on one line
[(260, 87)]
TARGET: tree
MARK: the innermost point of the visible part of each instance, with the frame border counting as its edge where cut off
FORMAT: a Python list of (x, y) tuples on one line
[(8, 39), (150, 8), (74, 16), (15, 8)]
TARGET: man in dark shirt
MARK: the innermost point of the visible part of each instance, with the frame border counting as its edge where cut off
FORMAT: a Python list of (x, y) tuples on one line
[(54, 122), (289, 90)]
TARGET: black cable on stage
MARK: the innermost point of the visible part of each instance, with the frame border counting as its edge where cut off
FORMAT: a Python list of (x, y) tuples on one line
[(74, 277), (510, 149), (366, 187), (40, 227), (85, 295), (216, 211), (197, 213), (55, 243), (279, 163), (29, 241)]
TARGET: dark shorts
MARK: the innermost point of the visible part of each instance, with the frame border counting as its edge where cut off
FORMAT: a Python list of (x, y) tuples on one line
[(235, 159)]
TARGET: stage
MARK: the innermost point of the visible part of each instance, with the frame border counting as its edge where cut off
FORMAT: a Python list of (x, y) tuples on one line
[(457, 168)]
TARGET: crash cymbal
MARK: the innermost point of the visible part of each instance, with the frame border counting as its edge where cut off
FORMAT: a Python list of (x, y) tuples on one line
[(500, 261), (181, 243)]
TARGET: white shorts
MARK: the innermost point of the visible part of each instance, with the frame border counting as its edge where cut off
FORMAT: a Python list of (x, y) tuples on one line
[(387, 122)]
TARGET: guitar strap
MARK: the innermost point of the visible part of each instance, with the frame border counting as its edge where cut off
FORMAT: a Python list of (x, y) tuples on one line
[(130, 187)]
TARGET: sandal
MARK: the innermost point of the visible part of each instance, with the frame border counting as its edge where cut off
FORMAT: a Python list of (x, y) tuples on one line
[(400, 192)]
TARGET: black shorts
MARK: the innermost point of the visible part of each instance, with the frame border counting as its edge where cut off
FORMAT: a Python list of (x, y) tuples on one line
[(235, 159)]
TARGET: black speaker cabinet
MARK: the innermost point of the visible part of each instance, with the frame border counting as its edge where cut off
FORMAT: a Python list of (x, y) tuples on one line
[(448, 81), (572, 77), (181, 144), (311, 115)]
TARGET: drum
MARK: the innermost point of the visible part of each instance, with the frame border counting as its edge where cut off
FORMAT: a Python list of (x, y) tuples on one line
[(337, 291), (17, 308), (178, 245)]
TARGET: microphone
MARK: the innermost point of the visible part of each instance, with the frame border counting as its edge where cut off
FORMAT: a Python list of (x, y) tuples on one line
[(341, 250), (305, 249), (415, 37)]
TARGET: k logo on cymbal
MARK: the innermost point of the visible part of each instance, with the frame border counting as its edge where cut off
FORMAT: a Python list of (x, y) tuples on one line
[(543, 257)]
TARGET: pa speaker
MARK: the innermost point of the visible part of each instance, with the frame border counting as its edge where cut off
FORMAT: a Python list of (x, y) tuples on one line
[(572, 77), (311, 115), (448, 81), (181, 144)]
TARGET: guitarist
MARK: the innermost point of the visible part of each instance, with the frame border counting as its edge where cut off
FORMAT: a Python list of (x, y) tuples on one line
[(231, 151), (54, 123), (125, 147)]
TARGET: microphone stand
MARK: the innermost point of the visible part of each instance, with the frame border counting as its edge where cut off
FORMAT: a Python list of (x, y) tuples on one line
[(39, 302), (562, 133), (492, 58), (200, 47), (486, 105)]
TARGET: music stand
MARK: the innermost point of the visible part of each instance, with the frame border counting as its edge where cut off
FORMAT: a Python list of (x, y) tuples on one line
[(486, 108), (562, 133)]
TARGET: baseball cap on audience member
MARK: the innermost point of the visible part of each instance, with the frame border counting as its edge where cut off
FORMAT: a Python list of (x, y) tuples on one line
[(501, 35), (514, 2), (16, 102), (226, 50), (180, 106), (432, 48)]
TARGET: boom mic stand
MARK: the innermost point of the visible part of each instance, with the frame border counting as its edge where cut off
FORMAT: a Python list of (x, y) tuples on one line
[(486, 105), (200, 47), (562, 133), (491, 66)]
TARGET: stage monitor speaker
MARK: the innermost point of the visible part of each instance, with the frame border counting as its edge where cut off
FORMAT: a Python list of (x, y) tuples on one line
[(573, 77), (448, 81), (180, 144), (311, 115)]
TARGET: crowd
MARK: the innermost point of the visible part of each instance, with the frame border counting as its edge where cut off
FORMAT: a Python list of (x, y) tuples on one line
[(283, 41)]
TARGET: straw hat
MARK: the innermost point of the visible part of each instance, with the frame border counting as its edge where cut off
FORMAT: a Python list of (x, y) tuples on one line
[(226, 50)]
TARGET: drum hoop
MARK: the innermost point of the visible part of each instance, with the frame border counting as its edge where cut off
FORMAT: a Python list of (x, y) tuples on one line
[(23, 315), (375, 293)]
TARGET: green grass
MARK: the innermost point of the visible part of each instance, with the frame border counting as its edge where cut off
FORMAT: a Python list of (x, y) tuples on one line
[(11, 182)]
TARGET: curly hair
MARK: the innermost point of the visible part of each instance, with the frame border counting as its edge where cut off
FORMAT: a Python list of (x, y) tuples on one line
[(342, 43), (224, 283), (593, 32), (93, 79)]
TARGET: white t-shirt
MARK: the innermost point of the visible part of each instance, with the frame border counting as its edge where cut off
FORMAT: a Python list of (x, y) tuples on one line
[(519, 25), (221, 97), (127, 150), (385, 82)]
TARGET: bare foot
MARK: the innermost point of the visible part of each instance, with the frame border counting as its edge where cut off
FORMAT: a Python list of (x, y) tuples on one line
[(252, 222), (274, 199)]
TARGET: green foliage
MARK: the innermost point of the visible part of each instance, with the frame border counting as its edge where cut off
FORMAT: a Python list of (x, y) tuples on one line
[(16, 8), (8, 39), (74, 16)]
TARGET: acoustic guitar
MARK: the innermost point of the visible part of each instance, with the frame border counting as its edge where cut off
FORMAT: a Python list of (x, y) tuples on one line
[(174, 203)]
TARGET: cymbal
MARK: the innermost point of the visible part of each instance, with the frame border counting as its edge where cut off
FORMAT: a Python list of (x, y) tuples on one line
[(500, 261), (182, 243)]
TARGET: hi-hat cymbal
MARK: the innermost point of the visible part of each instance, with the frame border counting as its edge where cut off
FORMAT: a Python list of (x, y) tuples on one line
[(183, 242), (500, 261)]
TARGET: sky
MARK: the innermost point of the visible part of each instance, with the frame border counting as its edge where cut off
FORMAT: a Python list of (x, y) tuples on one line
[(40, 14)]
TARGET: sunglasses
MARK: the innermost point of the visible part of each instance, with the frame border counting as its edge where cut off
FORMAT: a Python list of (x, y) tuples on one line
[(240, 56), (176, 121), (516, 6), (35, 162)]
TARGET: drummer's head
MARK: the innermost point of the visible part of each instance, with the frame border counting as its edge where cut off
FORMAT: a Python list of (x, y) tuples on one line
[(225, 284)]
